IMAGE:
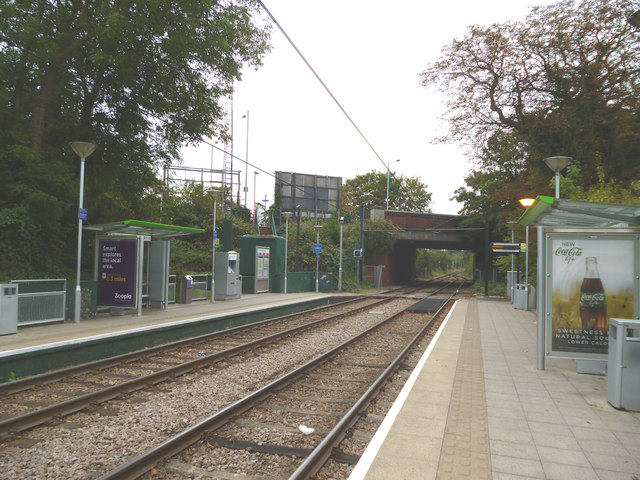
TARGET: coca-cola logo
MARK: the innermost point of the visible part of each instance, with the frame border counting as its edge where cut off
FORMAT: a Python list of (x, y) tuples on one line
[(593, 300), (568, 251)]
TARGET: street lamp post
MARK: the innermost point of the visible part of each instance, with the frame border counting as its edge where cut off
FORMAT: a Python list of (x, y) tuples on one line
[(340, 264), (317, 229), (388, 171), (287, 216), (83, 150), (255, 208), (246, 161), (557, 164)]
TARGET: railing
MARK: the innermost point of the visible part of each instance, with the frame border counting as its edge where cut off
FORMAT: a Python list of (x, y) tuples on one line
[(200, 287), (43, 306)]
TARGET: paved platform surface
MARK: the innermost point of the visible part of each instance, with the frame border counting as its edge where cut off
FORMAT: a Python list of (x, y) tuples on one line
[(476, 407)]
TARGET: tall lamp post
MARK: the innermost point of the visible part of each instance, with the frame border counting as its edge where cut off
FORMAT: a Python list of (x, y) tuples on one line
[(340, 264), (317, 229), (255, 208), (388, 172), (287, 216), (557, 164), (83, 150), (246, 161)]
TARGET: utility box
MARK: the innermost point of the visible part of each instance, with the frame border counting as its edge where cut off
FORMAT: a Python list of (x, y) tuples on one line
[(253, 267), (228, 281), (186, 289), (623, 377), (8, 309)]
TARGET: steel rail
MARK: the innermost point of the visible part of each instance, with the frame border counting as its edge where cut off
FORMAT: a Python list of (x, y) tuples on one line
[(67, 407), (49, 377), (144, 462), (319, 455)]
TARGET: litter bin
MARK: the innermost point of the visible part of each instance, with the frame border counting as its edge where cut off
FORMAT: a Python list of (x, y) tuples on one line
[(186, 289), (623, 376), (8, 308)]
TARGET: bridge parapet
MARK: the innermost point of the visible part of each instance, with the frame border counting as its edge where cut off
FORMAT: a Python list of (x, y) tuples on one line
[(416, 220)]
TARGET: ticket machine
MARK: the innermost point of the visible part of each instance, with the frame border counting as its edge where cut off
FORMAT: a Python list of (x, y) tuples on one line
[(228, 281)]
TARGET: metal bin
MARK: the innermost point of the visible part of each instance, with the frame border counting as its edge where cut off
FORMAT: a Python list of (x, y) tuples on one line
[(623, 377), (186, 289), (8, 309)]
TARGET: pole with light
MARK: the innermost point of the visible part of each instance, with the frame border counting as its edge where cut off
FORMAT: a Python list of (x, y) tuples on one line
[(255, 208), (340, 264), (317, 229), (83, 150), (388, 172), (246, 161), (557, 164), (287, 216)]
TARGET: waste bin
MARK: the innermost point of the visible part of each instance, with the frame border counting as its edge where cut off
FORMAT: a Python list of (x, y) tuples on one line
[(8, 309), (186, 289), (623, 376)]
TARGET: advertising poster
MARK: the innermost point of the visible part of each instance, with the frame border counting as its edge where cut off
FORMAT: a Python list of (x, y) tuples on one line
[(117, 272), (592, 280)]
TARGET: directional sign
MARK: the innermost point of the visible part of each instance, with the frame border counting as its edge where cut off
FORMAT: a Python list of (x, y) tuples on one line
[(317, 248), (505, 247)]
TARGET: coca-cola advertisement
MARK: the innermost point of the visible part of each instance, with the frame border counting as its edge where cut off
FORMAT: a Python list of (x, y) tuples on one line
[(592, 279)]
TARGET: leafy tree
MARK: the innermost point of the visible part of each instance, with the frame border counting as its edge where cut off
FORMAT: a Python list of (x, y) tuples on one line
[(563, 82), (370, 189), (140, 78)]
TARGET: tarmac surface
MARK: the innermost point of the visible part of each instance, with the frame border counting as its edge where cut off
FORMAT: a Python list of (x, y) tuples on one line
[(475, 407)]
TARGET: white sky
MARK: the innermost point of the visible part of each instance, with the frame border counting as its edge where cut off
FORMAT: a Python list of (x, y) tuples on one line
[(370, 54)]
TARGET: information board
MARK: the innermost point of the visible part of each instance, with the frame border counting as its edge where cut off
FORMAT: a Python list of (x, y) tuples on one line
[(117, 266)]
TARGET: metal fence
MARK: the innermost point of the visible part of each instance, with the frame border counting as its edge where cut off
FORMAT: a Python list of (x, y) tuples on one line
[(41, 301), (200, 287)]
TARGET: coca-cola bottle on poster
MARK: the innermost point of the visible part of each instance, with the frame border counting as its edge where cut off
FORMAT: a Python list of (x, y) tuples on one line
[(593, 304)]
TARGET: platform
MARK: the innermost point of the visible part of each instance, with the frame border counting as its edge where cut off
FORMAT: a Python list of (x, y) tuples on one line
[(105, 324), (476, 407)]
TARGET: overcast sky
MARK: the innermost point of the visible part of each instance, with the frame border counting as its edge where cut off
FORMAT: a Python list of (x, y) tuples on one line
[(370, 54)]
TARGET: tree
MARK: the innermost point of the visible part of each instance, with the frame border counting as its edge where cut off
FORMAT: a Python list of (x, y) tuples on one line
[(564, 82), (139, 78), (370, 189)]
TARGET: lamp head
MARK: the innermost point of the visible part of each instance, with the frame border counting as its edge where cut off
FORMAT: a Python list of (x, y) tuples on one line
[(83, 149), (557, 164), (527, 202)]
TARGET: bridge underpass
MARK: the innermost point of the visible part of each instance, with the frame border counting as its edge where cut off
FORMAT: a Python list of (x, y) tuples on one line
[(423, 230)]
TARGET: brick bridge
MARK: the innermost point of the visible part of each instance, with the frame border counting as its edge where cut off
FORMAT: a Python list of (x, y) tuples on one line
[(421, 230)]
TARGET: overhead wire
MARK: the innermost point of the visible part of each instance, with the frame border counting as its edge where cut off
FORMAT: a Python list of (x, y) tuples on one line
[(322, 82)]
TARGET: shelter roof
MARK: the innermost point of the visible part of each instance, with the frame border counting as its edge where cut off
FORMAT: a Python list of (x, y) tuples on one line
[(157, 231), (562, 212)]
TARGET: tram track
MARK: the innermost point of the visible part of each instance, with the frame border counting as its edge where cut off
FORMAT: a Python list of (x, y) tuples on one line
[(357, 369), (100, 381)]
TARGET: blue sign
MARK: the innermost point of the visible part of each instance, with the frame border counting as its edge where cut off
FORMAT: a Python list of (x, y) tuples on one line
[(82, 213), (215, 234), (317, 248), (317, 256)]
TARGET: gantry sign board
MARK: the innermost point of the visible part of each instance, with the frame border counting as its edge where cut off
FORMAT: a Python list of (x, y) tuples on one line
[(588, 273), (313, 193)]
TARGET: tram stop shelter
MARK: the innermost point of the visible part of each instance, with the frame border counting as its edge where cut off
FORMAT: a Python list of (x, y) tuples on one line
[(588, 269), (121, 266)]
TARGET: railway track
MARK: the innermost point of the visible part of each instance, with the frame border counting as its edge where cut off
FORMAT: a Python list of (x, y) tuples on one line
[(290, 427), (97, 439), (35, 400)]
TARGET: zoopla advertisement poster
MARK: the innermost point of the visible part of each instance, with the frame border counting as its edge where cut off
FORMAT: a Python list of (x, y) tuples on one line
[(592, 280), (117, 261)]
